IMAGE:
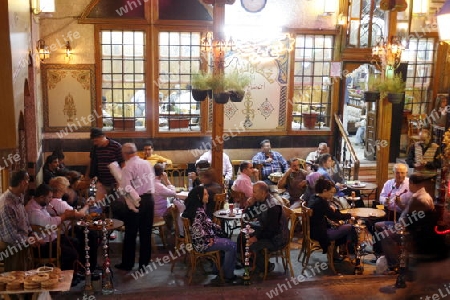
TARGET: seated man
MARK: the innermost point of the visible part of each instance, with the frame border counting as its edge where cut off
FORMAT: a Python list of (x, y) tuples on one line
[(227, 168), (243, 182), (38, 215), (424, 154), (153, 158), (271, 161), (418, 219), (271, 226), (294, 181), (50, 168), (163, 189), (395, 196), (314, 156), (325, 168)]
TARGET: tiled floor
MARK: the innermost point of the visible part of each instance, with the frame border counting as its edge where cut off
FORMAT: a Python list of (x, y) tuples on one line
[(317, 283)]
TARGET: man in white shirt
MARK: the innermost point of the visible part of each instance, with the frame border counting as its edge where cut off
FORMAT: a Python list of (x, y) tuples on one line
[(314, 156), (243, 182), (140, 175), (227, 167)]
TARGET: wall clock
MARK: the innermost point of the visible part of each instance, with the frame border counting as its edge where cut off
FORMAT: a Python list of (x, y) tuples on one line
[(253, 6)]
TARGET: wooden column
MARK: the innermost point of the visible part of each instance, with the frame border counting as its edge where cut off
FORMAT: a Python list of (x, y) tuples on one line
[(218, 109), (384, 121)]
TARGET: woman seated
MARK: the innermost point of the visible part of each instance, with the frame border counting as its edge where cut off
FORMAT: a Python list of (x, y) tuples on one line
[(205, 233), (72, 197), (320, 229)]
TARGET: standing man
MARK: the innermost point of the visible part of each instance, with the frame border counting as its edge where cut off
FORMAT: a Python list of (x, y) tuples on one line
[(271, 161), (424, 154), (14, 226), (104, 152), (294, 180), (138, 174)]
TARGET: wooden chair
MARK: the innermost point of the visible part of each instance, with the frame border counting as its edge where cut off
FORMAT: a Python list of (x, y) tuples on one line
[(158, 228), (194, 256), (236, 163), (219, 200), (284, 253), (309, 245), (53, 258), (180, 241), (238, 197), (415, 124), (178, 174)]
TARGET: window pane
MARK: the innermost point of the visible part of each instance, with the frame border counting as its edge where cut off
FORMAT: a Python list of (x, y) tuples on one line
[(179, 59), (312, 98), (123, 62)]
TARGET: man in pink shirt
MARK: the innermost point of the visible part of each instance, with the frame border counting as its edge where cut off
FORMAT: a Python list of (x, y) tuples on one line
[(243, 183)]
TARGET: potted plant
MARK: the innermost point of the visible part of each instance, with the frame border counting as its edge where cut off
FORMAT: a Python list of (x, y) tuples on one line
[(310, 119), (393, 88), (373, 93), (235, 83), (217, 84), (200, 86)]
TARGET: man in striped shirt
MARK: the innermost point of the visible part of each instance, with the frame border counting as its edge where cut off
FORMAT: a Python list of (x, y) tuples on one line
[(104, 152)]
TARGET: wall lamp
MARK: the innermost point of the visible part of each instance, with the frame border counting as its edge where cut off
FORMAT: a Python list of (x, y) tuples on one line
[(420, 7), (329, 7), (68, 50), (443, 22), (42, 49)]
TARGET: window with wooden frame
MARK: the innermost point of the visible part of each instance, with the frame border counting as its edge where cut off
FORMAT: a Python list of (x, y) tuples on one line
[(420, 55), (312, 82), (179, 58), (123, 56), (366, 23)]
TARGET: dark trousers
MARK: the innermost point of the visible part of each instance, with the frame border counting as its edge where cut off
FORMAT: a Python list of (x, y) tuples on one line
[(141, 222)]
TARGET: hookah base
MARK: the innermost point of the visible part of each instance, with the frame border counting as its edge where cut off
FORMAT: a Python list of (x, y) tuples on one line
[(400, 283)]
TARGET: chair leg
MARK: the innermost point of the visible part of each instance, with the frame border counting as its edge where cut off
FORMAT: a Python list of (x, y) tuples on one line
[(305, 260), (162, 236), (330, 256), (266, 262)]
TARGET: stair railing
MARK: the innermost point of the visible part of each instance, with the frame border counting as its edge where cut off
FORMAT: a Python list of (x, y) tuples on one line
[(345, 152)]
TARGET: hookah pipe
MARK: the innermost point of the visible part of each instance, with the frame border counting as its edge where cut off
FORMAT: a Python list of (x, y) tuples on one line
[(397, 197)]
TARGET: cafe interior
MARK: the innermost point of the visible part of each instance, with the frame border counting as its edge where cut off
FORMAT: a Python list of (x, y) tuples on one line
[(305, 69)]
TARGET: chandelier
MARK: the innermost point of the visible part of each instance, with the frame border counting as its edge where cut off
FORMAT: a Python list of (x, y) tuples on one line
[(387, 55), (208, 43)]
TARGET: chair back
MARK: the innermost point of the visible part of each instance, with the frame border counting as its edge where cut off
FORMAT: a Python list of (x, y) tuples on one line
[(292, 217), (178, 174), (236, 163), (306, 227), (219, 200), (238, 197), (187, 231), (53, 258)]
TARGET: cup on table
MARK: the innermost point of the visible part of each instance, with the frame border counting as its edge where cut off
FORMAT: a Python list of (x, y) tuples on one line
[(357, 182), (231, 206)]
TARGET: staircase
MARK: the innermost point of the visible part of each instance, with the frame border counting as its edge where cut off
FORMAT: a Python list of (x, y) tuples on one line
[(368, 173)]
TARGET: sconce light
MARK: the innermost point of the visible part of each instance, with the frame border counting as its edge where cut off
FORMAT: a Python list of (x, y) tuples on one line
[(40, 6), (329, 7), (42, 49), (420, 7), (68, 50), (443, 22)]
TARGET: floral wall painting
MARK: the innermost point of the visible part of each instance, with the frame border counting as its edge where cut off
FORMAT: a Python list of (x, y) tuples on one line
[(69, 97)]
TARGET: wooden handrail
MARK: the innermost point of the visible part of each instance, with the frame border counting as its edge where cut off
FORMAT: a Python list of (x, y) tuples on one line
[(353, 155)]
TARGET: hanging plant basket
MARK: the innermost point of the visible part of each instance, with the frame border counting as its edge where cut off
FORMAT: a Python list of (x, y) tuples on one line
[(199, 95), (222, 98), (237, 96), (396, 98), (371, 96)]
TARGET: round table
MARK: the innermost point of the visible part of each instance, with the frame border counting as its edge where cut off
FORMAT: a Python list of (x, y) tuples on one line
[(364, 212), (365, 188), (224, 214)]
